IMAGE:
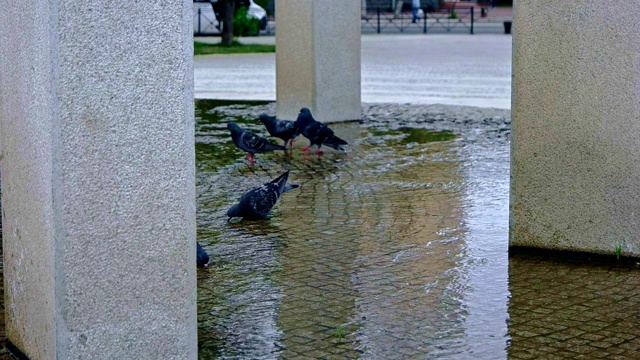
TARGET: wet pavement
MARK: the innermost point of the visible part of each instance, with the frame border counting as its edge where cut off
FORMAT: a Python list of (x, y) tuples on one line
[(395, 249), (472, 70)]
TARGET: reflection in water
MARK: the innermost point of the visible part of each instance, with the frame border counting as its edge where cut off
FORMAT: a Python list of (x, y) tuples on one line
[(486, 169), (395, 249), (367, 259)]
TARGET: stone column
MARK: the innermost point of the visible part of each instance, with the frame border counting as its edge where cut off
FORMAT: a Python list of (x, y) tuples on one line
[(98, 195), (576, 126), (318, 58)]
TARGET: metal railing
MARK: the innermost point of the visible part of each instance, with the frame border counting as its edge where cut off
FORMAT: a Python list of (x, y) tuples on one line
[(205, 23), (444, 20), (377, 21)]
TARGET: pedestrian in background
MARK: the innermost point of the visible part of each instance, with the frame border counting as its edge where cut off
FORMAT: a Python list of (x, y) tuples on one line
[(415, 6)]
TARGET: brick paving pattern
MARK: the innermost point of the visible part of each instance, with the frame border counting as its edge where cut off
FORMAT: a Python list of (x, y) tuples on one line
[(394, 250), (575, 309)]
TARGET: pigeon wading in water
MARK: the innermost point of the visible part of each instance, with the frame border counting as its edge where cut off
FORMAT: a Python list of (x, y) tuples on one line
[(318, 133), (257, 203), (283, 129), (202, 258), (250, 142)]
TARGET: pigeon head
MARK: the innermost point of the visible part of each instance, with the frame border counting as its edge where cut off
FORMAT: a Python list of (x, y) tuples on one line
[(264, 118), (202, 258), (304, 118), (234, 211), (233, 127), (305, 111)]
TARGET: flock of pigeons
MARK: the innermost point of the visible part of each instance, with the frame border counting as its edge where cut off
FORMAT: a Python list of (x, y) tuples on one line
[(257, 203)]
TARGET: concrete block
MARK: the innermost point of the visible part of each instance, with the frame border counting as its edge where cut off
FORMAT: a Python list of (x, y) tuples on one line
[(575, 152), (98, 178), (318, 59)]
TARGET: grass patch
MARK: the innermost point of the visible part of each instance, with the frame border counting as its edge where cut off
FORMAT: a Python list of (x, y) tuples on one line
[(418, 135), (235, 48), (339, 333)]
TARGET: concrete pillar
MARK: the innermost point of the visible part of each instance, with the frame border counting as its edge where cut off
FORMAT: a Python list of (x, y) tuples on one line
[(318, 58), (576, 126), (98, 195)]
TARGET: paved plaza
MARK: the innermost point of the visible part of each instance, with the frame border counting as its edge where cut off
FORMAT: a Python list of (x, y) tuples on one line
[(398, 247), (472, 70)]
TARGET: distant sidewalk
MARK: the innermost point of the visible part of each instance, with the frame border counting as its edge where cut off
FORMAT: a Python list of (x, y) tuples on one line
[(421, 69), (498, 14), (263, 40)]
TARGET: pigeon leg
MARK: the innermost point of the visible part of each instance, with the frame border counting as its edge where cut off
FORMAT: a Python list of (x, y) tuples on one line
[(306, 148), (291, 143), (319, 151), (250, 157)]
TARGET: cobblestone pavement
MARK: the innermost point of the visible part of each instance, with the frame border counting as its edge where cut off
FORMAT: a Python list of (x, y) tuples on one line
[(567, 309), (395, 250), (368, 258)]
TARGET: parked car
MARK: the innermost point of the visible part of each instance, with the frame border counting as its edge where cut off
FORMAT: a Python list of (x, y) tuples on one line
[(206, 15), (205, 21), (259, 13)]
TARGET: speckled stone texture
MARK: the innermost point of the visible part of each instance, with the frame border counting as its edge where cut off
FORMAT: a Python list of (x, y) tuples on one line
[(575, 151), (96, 115), (318, 59)]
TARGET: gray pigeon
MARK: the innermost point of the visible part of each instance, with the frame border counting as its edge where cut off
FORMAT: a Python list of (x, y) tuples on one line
[(250, 142), (318, 133), (283, 129), (202, 258), (257, 203)]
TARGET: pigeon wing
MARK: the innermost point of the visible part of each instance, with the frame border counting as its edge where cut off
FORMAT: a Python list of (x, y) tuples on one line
[(254, 143), (317, 133), (286, 129), (263, 198)]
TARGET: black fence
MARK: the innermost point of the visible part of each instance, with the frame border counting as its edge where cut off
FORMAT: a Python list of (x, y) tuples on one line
[(441, 21), (380, 20)]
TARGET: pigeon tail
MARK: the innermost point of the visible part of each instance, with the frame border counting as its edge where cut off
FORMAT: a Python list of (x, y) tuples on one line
[(290, 187), (270, 147), (281, 181), (335, 142)]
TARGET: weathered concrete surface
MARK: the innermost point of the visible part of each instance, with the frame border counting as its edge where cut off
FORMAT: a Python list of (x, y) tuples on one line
[(417, 69), (98, 178), (27, 170), (318, 58), (576, 154)]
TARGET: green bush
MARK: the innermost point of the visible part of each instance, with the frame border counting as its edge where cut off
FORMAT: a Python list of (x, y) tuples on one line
[(244, 25)]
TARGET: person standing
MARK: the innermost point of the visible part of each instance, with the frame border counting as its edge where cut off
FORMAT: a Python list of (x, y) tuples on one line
[(415, 6)]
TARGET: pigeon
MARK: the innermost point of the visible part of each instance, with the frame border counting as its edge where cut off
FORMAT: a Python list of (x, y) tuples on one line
[(283, 129), (257, 203), (202, 258), (317, 133), (250, 142)]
